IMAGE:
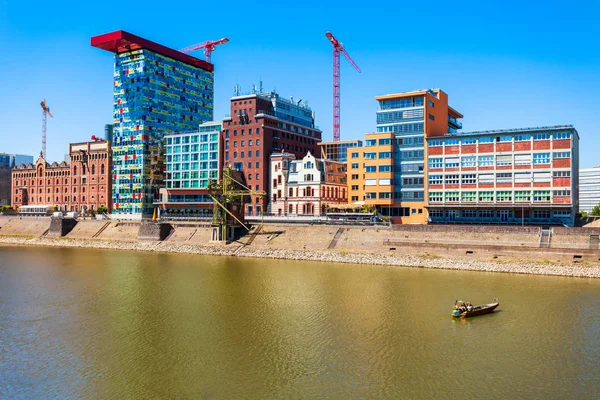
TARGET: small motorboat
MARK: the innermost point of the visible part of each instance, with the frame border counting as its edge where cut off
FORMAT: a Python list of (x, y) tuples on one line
[(476, 310)]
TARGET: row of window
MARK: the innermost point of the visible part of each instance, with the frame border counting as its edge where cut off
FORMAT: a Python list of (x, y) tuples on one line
[(498, 196), (493, 214), (500, 139), (501, 160), (500, 177)]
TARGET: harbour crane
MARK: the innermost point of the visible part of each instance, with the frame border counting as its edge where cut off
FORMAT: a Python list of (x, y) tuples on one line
[(208, 46), (45, 113), (337, 48)]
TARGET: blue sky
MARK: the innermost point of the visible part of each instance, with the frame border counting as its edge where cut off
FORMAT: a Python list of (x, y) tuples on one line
[(504, 65)]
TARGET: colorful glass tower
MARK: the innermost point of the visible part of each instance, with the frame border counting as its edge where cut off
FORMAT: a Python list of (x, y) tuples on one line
[(157, 90)]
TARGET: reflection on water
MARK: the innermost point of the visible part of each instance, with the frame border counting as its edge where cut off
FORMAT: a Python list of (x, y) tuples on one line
[(102, 324)]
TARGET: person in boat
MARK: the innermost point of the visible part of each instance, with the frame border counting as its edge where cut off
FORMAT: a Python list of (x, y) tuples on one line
[(469, 306)]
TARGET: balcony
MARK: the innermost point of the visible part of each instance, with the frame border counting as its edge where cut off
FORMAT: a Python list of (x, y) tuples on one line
[(454, 122)]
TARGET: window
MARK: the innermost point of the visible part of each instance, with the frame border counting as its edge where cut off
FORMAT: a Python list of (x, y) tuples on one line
[(561, 174), (383, 142), (487, 214), (435, 179), (385, 168), (354, 187), (485, 161), (430, 103), (486, 140), (504, 196), (94, 169), (522, 138), (468, 161), (485, 178), (370, 142), (354, 176), (562, 135), (504, 139), (541, 176), (451, 179), (354, 155), (451, 162), (522, 195), (370, 182), (385, 195), (354, 198), (452, 196), (435, 143), (452, 142), (562, 193), (469, 141), (354, 165), (486, 197), (469, 197), (541, 195), (385, 154), (522, 159), (435, 163), (503, 160), (370, 156), (541, 136), (504, 177), (561, 154), (468, 214), (431, 117), (541, 158), (436, 197), (370, 168), (468, 179)]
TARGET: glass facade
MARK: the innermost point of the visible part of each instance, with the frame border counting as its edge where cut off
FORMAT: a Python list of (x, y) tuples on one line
[(338, 151), (589, 188), (405, 118), (192, 159), (153, 95)]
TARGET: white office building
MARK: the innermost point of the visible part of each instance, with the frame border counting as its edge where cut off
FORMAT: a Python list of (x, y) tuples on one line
[(589, 188)]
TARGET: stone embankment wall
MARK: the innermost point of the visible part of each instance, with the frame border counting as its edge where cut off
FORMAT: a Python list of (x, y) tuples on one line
[(457, 242)]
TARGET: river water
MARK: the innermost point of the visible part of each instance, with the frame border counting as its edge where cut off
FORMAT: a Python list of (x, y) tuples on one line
[(98, 324)]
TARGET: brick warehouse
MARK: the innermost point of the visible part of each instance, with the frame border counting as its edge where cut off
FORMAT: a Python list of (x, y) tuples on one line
[(83, 185), (261, 123)]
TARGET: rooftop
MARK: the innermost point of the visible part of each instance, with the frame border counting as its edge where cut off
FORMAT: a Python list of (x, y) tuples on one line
[(122, 42), (513, 131), (407, 94)]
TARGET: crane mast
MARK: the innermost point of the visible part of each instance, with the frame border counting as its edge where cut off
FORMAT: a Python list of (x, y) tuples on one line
[(45, 113), (338, 48)]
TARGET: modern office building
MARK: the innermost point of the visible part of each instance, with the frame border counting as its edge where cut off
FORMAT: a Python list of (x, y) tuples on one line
[(192, 160), (14, 160), (517, 176), (108, 132), (306, 186), (157, 90), (589, 188), (261, 123), (83, 185), (388, 172), (338, 151)]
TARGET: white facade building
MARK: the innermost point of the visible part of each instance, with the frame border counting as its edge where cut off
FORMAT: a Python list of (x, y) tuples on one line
[(305, 187), (589, 188)]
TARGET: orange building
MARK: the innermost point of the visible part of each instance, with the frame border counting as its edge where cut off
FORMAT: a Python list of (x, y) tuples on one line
[(389, 171)]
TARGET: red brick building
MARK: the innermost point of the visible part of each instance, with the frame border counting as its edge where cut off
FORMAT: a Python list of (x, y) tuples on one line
[(261, 123), (83, 185)]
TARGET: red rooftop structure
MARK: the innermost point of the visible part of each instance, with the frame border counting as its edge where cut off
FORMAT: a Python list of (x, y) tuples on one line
[(121, 42)]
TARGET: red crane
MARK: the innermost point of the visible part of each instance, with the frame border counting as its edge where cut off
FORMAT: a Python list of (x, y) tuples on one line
[(208, 46), (337, 48), (45, 113)]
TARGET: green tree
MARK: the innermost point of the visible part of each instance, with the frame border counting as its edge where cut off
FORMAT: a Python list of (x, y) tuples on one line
[(596, 211), (101, 209)]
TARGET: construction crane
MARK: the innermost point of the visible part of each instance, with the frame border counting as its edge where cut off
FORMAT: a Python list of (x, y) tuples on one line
[(337, 48), (208, 46), (45, 113), (228, 197)]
